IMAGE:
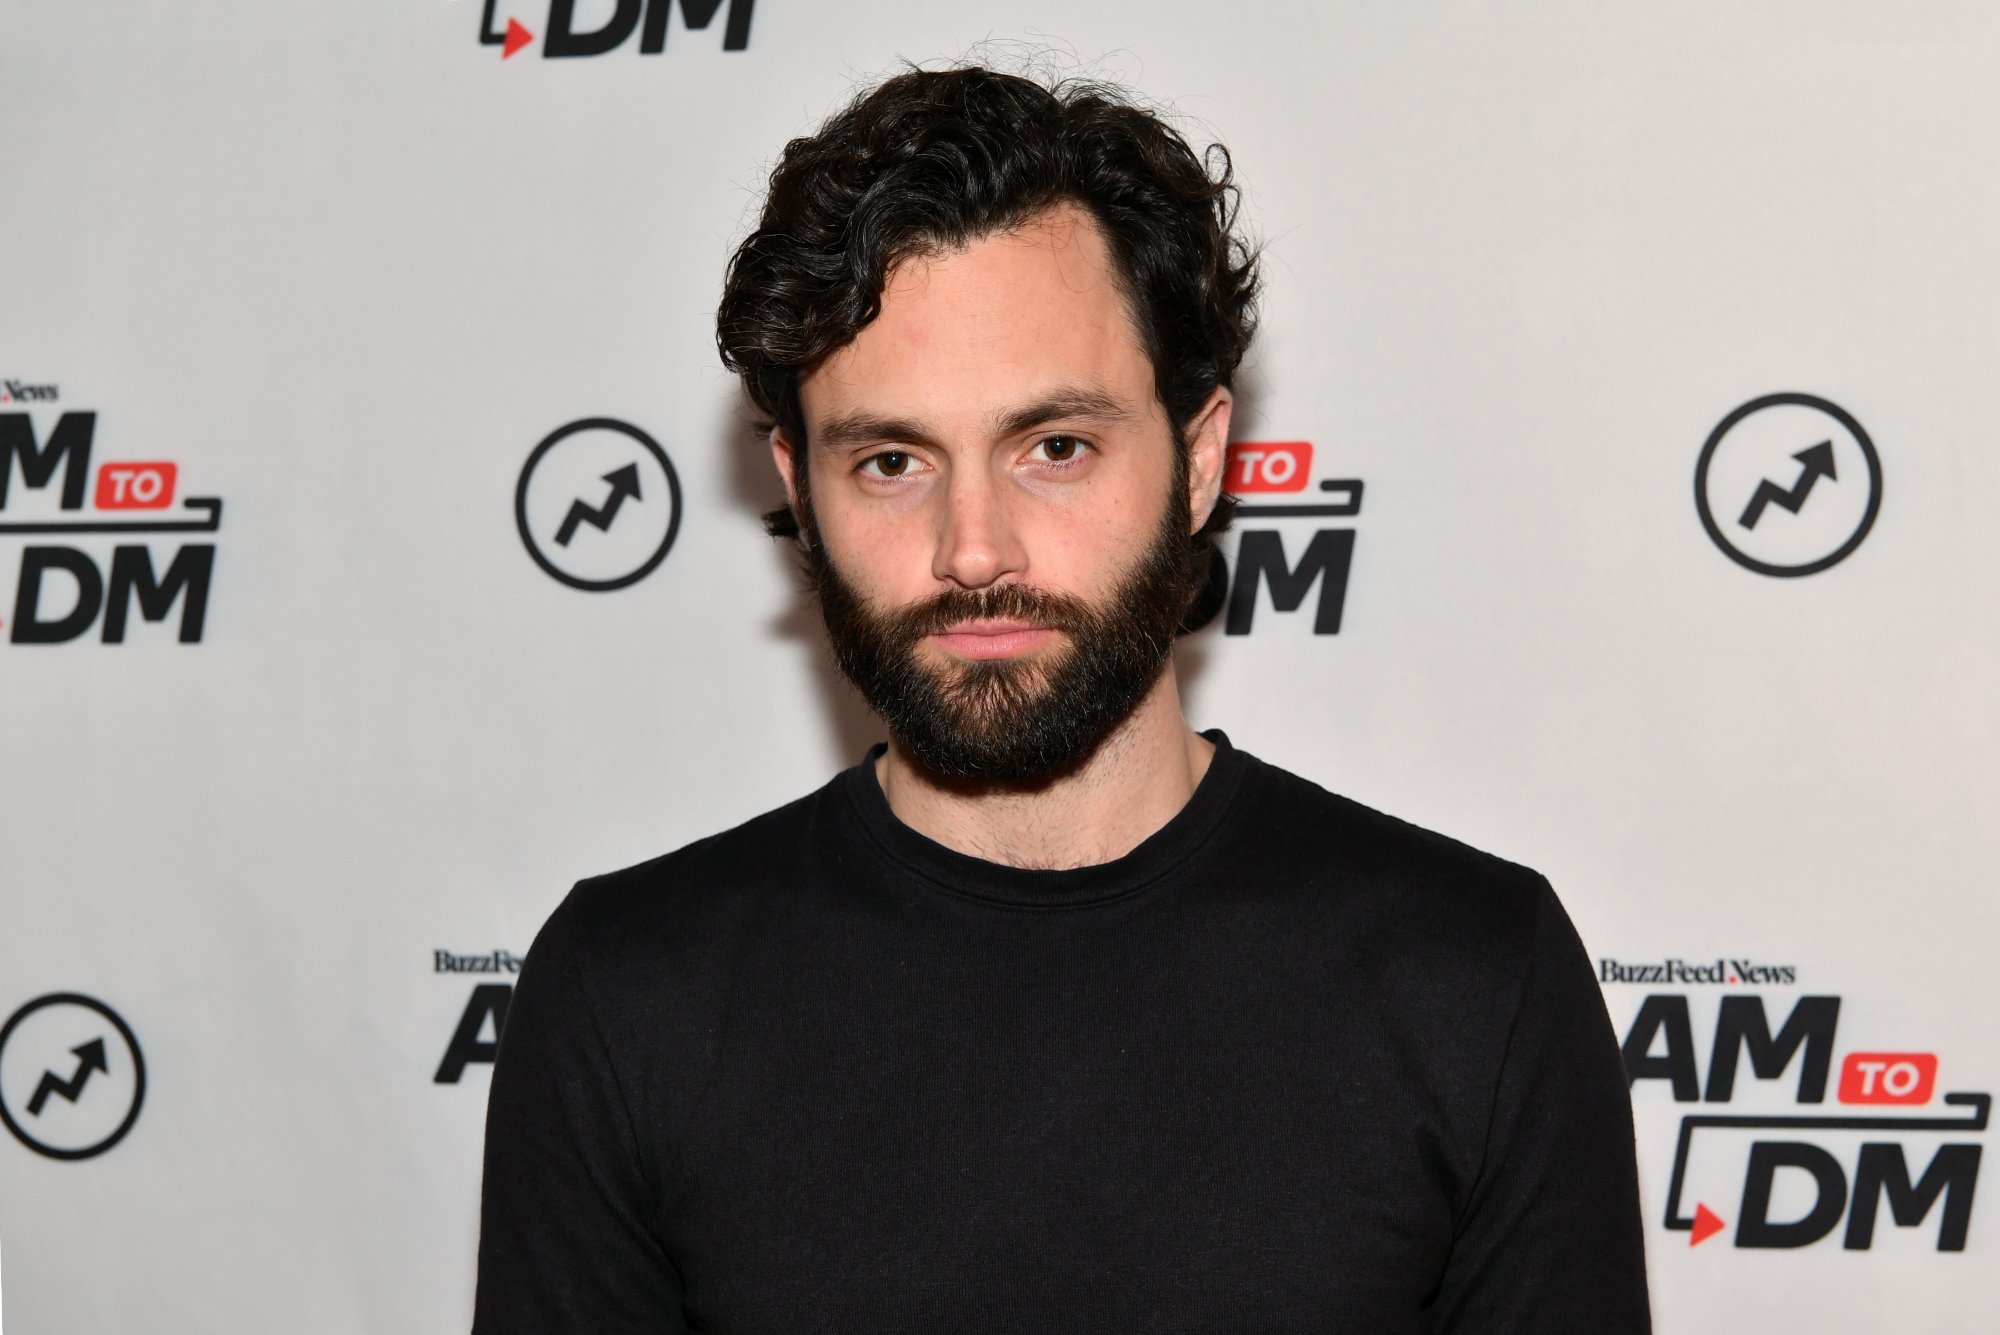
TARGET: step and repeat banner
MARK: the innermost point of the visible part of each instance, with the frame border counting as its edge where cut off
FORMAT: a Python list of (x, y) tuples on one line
[(379, 554)]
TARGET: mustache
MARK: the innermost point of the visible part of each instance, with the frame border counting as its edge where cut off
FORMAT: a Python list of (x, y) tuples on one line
[(1002, 602)]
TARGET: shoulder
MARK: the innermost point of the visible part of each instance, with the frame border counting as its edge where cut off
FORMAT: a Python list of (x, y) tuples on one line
[(1422, 889), (680, 902)]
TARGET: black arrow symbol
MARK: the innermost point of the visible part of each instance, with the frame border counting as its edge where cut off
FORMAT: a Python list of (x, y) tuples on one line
[(90, 1057), (1818, 463), (624, 485)]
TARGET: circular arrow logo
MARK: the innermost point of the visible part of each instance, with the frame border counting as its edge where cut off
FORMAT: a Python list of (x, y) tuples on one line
[(71, 1076), (598, 504), (1788, 485)]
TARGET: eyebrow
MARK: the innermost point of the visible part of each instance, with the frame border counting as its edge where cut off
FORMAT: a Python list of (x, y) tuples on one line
[(1073, 405), (1067, 404)]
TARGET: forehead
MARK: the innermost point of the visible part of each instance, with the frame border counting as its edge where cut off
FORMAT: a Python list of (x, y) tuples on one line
[(974, 331)]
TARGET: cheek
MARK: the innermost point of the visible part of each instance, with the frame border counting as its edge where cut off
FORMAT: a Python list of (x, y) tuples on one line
[(886, 558), (1089, 548)]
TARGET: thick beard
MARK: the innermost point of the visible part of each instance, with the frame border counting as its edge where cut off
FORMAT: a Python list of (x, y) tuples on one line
[(1012, 721)]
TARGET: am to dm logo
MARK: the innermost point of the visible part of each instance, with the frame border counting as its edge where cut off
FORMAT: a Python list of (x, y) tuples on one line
[(1778, 1170), (119, 548), (1264, 571), (72, 1079), (565, 35), (1788, 485), (485, 1010), (598, 504)]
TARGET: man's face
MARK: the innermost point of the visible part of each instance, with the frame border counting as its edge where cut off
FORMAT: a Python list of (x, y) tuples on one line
[(996, 510)]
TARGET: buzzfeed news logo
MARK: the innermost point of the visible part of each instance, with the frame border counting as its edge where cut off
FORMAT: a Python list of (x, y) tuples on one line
[(562, 33), (1286, 551), (97, 544), (1679, 972), (1776, 1169), (20, 391)]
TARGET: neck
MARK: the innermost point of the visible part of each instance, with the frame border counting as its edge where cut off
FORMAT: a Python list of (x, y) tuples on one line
[(1136, 781)]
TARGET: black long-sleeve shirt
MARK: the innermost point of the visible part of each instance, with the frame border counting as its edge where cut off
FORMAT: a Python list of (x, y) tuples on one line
[(1289, 1065)]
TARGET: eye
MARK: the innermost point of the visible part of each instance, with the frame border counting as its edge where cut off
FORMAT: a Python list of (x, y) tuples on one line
[(1061, 449), (889, 463)]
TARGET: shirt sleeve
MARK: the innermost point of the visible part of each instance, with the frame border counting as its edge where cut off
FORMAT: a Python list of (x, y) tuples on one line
[(1550, 1238), (566, 1242)]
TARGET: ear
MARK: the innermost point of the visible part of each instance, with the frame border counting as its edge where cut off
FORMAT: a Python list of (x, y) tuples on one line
[(782, 455), (788, 520), (1208, 447)]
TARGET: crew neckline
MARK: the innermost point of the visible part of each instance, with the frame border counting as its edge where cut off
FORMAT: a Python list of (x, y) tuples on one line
[(971, 877)]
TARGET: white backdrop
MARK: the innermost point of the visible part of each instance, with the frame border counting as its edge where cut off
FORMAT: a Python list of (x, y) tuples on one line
[(346, 266)]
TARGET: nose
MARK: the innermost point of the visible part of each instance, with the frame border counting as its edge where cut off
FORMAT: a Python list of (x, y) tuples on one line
[(978, 544)]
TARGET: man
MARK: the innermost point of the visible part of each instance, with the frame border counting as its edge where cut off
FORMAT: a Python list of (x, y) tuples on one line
[(1052, 1015)]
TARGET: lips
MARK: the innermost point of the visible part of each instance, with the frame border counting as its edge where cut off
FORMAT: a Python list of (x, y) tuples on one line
[(992, 639)]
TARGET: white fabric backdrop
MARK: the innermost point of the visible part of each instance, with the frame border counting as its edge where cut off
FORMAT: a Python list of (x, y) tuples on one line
[(346, 266)]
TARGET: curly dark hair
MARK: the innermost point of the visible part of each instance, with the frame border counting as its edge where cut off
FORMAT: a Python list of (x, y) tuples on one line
[(932, 160)]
